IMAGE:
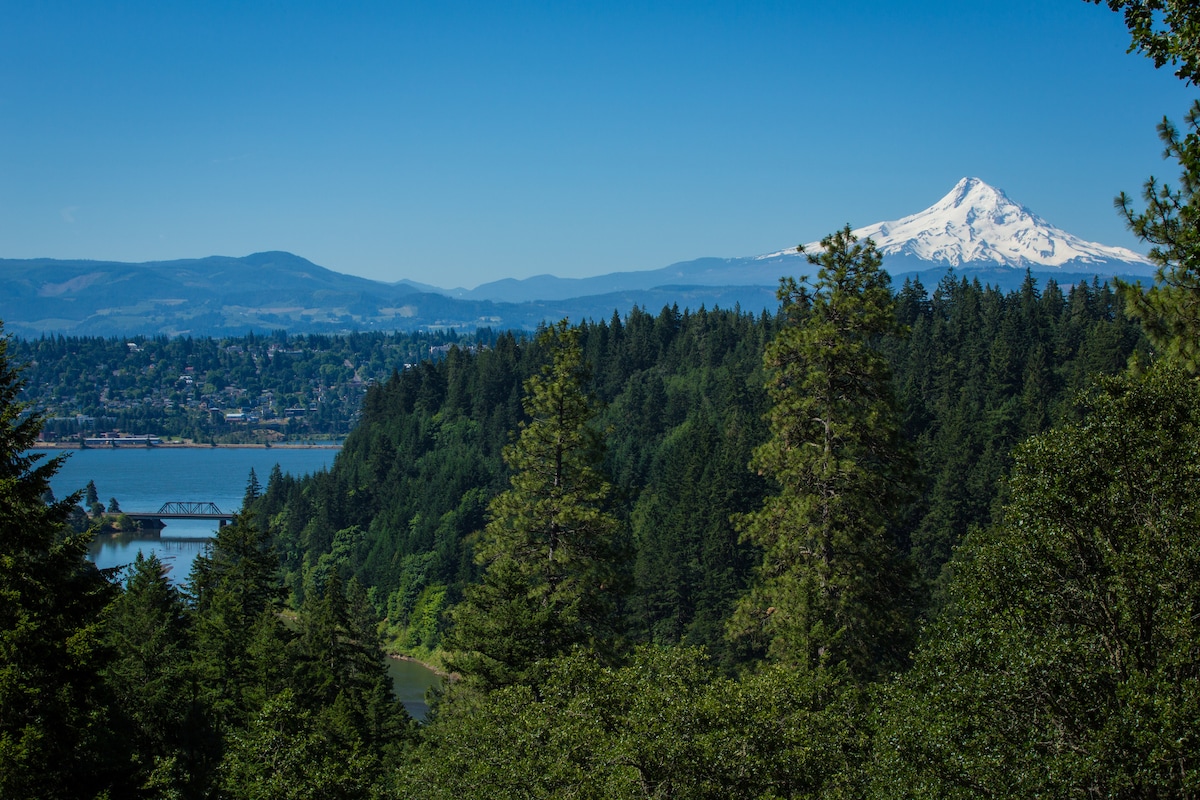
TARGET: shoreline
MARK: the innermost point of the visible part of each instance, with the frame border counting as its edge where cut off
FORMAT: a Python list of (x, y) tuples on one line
[(183, 446), (440, 673)]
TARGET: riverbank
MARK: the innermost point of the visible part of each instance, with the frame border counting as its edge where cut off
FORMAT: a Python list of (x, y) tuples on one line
[(436, 670)]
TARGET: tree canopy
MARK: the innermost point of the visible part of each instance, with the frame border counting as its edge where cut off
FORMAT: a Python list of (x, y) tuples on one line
[(551, 548), (53, 727), (832, 587), (1168, 32), (1069, 661)]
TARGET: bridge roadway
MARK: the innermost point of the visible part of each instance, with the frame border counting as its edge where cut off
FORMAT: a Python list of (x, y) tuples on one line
[(183, 509)]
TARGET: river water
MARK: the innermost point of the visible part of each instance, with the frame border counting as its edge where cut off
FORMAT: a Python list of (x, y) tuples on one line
[(143, 479), (410, 682)]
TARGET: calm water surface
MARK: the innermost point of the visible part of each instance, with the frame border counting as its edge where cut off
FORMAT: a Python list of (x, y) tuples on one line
[(142, 479), (411, 681)]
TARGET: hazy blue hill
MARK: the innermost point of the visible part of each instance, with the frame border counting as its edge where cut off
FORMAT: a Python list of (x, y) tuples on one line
[(748, 281), (263, 292), (214, 295), (700, 272), (975, 229)]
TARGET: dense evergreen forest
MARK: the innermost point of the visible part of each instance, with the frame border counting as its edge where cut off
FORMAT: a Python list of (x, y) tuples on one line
[(885, 542), (679, 398)]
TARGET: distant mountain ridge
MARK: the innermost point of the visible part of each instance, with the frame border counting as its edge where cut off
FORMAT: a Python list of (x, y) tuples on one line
[(975, 229), (218, 294)]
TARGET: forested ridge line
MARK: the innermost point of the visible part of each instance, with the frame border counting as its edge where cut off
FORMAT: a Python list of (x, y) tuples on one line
[(681, 404)]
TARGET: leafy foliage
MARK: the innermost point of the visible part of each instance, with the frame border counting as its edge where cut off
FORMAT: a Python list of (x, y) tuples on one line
[(1068, 663), (662, 725), (1165, 30)]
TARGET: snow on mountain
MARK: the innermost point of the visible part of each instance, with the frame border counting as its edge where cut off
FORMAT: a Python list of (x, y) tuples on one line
[(977, 225)]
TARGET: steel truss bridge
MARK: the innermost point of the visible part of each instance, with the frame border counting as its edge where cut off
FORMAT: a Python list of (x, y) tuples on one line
[(183, 509)]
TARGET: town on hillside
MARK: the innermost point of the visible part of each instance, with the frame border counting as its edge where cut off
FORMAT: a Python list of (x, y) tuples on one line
[(265, 390)]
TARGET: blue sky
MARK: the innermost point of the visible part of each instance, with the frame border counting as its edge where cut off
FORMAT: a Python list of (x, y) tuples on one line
[(458, 142)]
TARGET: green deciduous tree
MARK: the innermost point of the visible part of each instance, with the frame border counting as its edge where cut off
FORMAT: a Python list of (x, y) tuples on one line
[(287, 752), (1067, 663), (551, 548), (1166, 31), (832, 587), (663, 725)]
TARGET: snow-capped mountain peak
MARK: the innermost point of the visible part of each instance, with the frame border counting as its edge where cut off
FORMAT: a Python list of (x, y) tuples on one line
[(977, 225)]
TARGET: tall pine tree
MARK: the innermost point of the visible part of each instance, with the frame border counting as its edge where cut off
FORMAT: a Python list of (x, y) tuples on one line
[(152, 685), (551, 548), (832, 587), (52, 729), (1168, 32)]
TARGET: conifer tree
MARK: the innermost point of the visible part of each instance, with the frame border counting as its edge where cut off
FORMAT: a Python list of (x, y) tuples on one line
[(551, 547), (832, 586), (52, 721), (1168, 32), (151, 682), (330, 728), (236, 594), (253, 490)]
